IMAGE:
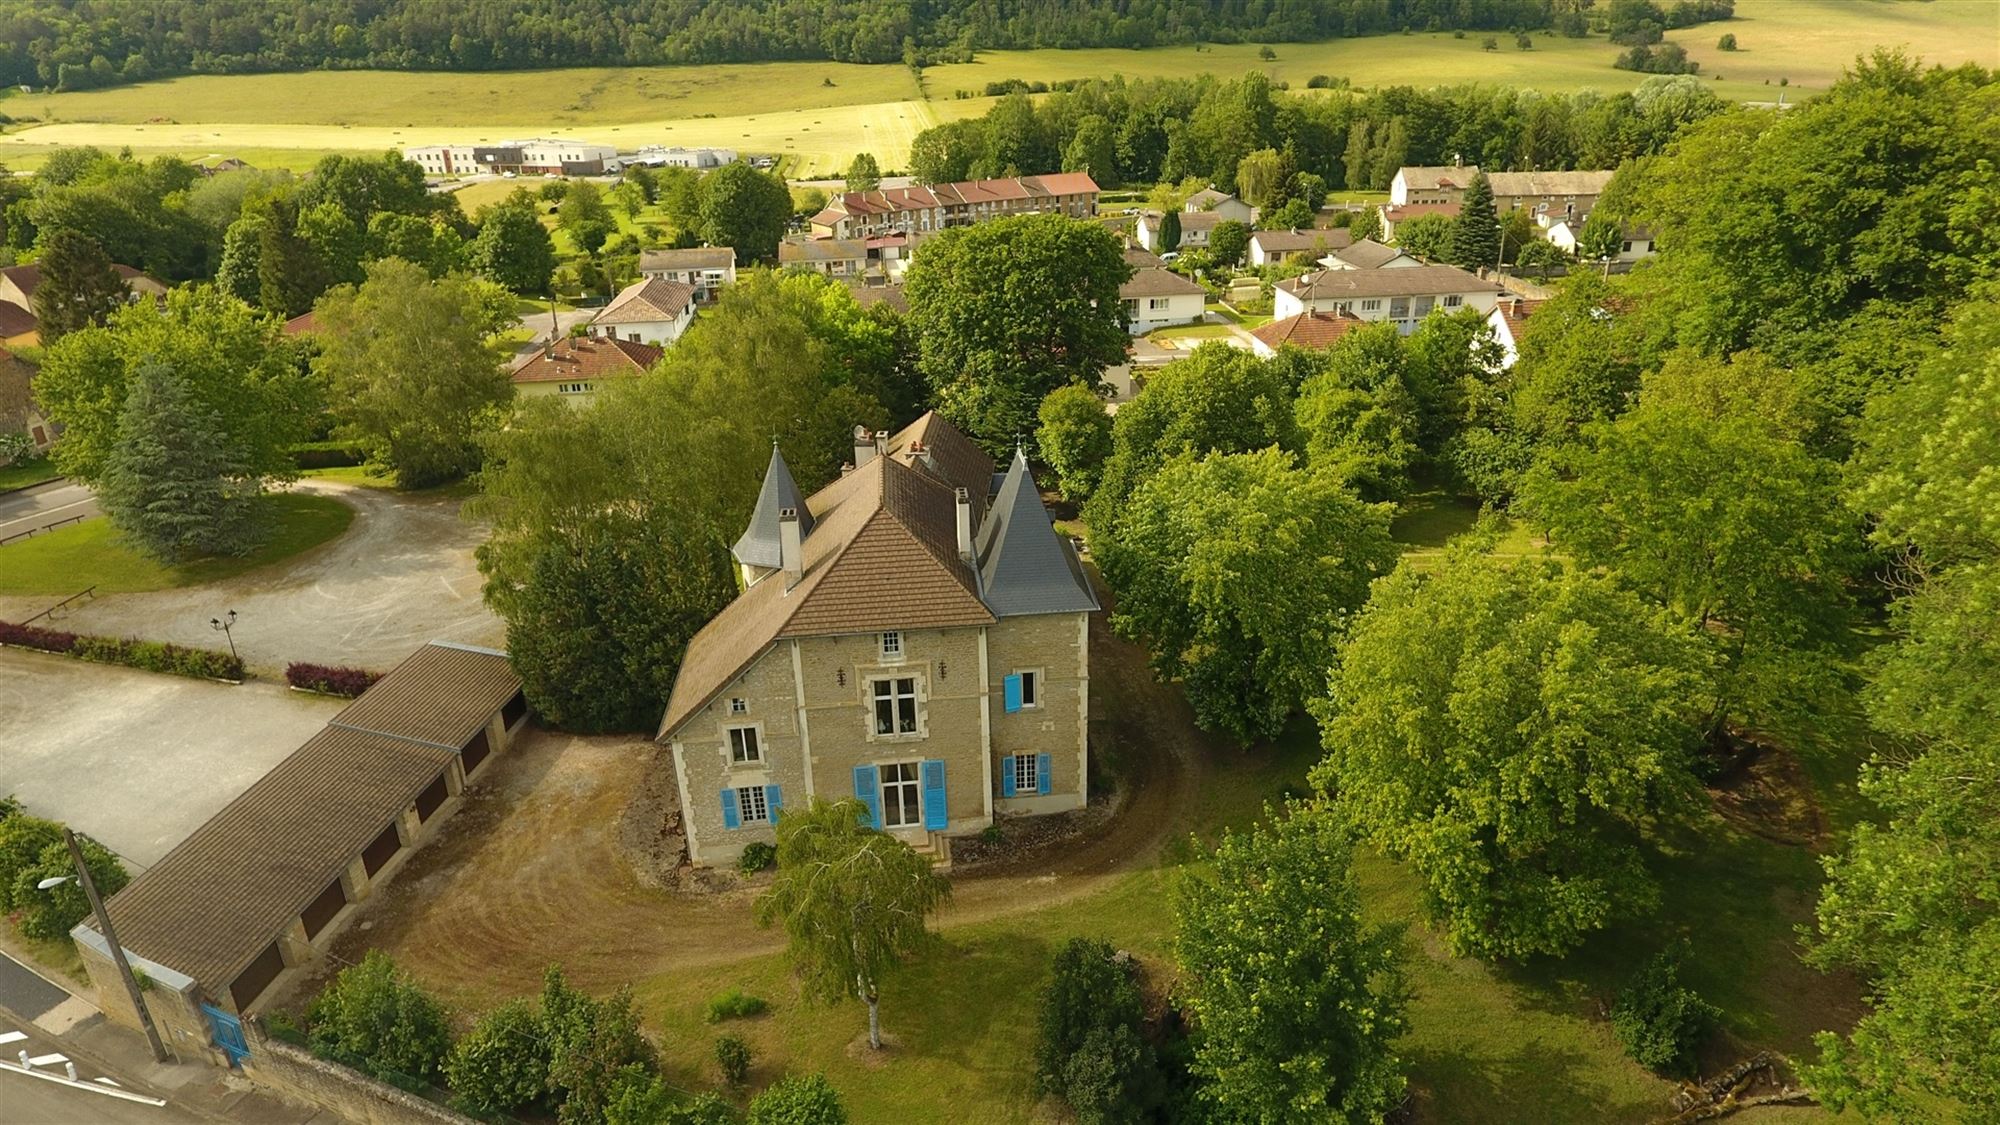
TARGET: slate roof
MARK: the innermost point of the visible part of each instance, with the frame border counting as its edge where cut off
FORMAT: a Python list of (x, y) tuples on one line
[(586, 357), (1024, 566), (1153, 281), (1411, 282), (759, 544), (1306, 330), (1297, 241), (1548, 183), (15, 320), (646, 302), (688, 258), (1367, 254)]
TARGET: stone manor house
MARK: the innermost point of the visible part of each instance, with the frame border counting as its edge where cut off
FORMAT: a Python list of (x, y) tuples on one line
[(914, 635)]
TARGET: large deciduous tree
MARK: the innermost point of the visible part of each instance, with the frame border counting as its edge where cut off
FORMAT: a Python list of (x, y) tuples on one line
[(413, 379), (585, 217), (863, 173), (173, 484), (1238, 571), (1008, 310), (79, 288), (853, 902), (1508, 728), (745, 209), (1074, 438), (1296, 1003), (514, 249)]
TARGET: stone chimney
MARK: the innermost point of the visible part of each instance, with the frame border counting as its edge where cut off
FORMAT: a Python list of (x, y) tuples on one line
[(920, 450), (965, 526), (791, 547), (881, 442), (864, 446)]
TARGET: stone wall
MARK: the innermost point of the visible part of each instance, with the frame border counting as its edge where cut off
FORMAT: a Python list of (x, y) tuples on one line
[(298, 1075)]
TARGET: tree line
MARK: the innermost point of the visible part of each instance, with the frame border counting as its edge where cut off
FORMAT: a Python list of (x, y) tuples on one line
[(84, 44)]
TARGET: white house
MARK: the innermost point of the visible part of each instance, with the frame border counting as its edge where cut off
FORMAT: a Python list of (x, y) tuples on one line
[(1430, 184), (1157, 297), (653, 311), (706, 268), (1403, 296), (1195, 229), (1506, 321), (1221, 203), (1269, 247), (1566, 234)]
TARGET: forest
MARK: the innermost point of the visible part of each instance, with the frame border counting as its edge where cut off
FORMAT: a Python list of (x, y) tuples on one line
[(86, 44)]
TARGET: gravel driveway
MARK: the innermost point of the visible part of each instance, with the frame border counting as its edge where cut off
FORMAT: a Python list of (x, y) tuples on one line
[(401, 576)]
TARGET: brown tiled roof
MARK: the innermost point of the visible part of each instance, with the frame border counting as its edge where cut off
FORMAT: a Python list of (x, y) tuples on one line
[(1190, 220), (1307, 330), (688, 258), (15, 320), (301, 324), (1140, 258), (1297, 241), (1515, 311), (644, 302), (1434, 176), (586, 357), (796, 250), (1367, 254), (1548, 183), (216, 901), (883, 554), (1156, 282), (1412, 210), (916, 197), (868, 296), (439, 694), (28, 278), (1412, 281)]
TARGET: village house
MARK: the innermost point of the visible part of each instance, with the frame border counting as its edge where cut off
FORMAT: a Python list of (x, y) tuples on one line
[(19, 326), (652, 311), (1196, 226), (1393, 217), (914, 636), (834, 257), (1402, 296), (1270, 247), (1566, 234), (1367, 254), (706, 268), (920, 210), (1430, 183), (1506, 321), (1540, 193), (19, 413), (1315, 331), (1221, 203), (1156, 297), (576, 366)]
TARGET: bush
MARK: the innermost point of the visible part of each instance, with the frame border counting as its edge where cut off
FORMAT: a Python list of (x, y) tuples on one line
[(810, 1100), (735, 1005), (1088, 1049), (15, 448), (376, 1015), (23, 839), (648, 1100), (147, 656), (502, 1064), (1319, 82), (50, 915), (330, 679), (732, 1058), (756, 856), (327, 454), (1266, 53), (1659, 1022), (1726, 43), (28, 636), (595, 1046)]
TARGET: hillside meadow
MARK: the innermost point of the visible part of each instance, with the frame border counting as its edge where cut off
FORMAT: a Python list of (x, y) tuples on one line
[(822, 113)]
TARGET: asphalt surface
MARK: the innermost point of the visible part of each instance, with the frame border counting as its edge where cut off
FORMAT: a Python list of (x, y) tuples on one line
[(26, 1100), (43, 504), (24, 993)]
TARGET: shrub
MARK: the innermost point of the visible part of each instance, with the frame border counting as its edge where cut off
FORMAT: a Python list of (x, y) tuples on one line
[(1088, 1049), (28, 636), (732, 1058), (327, 454), (330, 679), (808, 1100), (1266, 53), (595, 1046), (15, 448), (50, 915), (1319, 82), (376, 1015), (647, 1100), (756, 856), (23, 839), (502, 1064), (9, 806), (147, 656), (1659, 1022), (735, 1005), (1726, 43)]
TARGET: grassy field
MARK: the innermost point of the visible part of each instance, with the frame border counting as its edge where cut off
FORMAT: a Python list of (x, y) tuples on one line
[(91, 553), (34, 470), (290, 120)]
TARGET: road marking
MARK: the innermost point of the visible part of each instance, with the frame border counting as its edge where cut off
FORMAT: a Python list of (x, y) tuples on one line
[(45, 1060), (11, 1037), (106, 1082)]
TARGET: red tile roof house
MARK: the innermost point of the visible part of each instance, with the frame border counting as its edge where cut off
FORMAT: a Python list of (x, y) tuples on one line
[(1507, 320), (652, 311), (1313, 330), (575, 367), (915, 636), (920, 210)]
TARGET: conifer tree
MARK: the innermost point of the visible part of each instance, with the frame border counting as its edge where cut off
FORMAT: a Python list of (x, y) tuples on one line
[(172, 484), (1475, 236), (79, 288)]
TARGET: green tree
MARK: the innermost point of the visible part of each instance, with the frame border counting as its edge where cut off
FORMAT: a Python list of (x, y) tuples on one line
[(595, 1046), (1475, 234), (1361, 416), (239, 369), (79, 288), (337, 240), (1093, 150), (502, 1064), (412, 377), (1426, 236), (746, 209), (514, 249), (374, 1014), (239, 273), (413, 238), (1296, 1003), (585, 217), (1237, 571), (808, 1100), (1006, 311), (1168, 239), (1258, 178), (49, 915), (1367, 224), (290, 274), (852, 901), (863, 174), (173, 485), (1228, 242), (1089, 1048), (1508, 728), (1074, 438)]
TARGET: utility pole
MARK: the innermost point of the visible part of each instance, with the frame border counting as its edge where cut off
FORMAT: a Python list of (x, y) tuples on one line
[(117, 951)]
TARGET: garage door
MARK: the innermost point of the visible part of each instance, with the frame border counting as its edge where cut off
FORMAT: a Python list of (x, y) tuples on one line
[(323, 908), (252, 981), (475, 752), (515, 711), (382, 850), (433, 796)]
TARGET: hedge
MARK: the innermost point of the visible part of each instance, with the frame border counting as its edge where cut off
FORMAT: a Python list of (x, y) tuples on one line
[(330, 679), (327, 454), (147, 656)]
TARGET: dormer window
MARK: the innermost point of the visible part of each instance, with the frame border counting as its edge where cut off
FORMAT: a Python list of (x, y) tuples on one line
[(892, 646)]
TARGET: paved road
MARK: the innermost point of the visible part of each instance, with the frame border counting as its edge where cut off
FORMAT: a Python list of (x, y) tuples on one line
[(30, 1003), (537, 325), (44, 504)]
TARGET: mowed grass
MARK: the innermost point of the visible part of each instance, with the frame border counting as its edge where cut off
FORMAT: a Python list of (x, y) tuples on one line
[(92, 553), (34, 470)]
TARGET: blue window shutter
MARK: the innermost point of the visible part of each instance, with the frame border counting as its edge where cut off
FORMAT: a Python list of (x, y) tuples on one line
[(936, 816), (1012, 685), (868, 790), (1042, 773), (730, 817), (771, 805), (1007, 776)]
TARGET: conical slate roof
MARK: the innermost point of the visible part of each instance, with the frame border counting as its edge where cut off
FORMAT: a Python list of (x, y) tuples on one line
[(1024, 566), (759, 545)]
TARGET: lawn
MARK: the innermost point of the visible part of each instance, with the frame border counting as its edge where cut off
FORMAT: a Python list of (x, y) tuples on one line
[(359, 475), (90, 553), (1429, 517), (1191, 332), (34, 470)]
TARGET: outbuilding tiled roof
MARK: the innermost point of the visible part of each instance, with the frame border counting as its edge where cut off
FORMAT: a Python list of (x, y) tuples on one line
[(1367, 254), (1306, 330), (586, 357), (441, 694), (1548, 183), (1415, 281), (1301, 241), (1156, 282), (687, 258), (796, 251), (646, 302)]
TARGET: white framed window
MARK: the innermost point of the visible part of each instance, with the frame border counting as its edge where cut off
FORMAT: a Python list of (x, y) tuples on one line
[(901, 796), (1031, 689), (892, 645), (895, 703), (739, 706), (1453, 300), (751, 807), (1371, 304), (745, 746), (1025, 779)]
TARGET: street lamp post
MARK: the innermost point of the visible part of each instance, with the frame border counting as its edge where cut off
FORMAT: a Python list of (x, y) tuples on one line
[(83, 879), (222, 625)]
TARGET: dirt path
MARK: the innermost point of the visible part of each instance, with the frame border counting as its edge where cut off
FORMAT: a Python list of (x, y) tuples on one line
[(529, 871)]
